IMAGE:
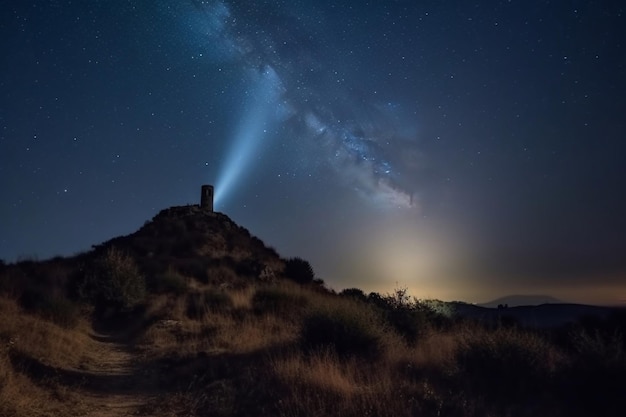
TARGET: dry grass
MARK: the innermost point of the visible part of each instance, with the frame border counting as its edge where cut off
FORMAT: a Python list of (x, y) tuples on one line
[(242, 299), (324, 384), (279, 350), (322, 370), (38, 338), (436, 350), (466, 370), (235, 330), (43, 341), (253, 333)]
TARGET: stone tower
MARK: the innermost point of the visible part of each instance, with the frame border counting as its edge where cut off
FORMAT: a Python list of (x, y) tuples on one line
[(206, 198)]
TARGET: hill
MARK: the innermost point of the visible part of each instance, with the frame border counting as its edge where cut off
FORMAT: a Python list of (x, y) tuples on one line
[(191, 315), (534, 316), (178, 244), (521, 300), (199, 243)]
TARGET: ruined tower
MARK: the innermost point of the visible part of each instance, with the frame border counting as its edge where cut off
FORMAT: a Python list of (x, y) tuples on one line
[(206, 198)]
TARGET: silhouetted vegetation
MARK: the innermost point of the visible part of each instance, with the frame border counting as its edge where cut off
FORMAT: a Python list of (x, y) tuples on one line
[(279, 301), (354, 293), (508, 367), (249, 267), (299, 270), (171, 281), (226, 327), (345, 328), (55, 308), (113, 280), (200, 303)]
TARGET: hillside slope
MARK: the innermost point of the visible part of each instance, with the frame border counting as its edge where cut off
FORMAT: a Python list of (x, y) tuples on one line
[(199, 243), (192, 316)]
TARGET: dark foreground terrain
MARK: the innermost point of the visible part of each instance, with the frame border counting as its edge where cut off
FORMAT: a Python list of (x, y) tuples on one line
[(192, 316)]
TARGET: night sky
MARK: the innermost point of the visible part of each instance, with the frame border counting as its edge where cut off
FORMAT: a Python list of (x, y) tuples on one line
[(465, 150)]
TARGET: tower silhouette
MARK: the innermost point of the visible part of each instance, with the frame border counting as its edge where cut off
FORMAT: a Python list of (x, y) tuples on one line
[(206, 198)]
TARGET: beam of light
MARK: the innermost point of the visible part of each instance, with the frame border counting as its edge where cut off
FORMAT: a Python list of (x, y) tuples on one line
[(249, 135)]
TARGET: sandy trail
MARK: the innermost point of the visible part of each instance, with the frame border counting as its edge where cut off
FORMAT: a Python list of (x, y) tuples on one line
[(116, 383)]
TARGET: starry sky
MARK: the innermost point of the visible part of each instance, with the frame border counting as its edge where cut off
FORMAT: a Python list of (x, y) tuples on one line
[(465, 150)]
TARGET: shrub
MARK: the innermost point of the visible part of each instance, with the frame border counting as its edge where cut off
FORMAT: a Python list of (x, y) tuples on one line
[(183, 248), (273, 253), (344, 327), (404, 314), (199, 303), (32, 299), (299, 270), (409, 323), (194, 267), (217, 300), (219, 275), (279, 301), (399, 299), (170, 281), (61, 311), (354, 293), (54, 308), (589, 384), (248, 267), (196, 307), (114, 281), (507, 366), (378, 300)]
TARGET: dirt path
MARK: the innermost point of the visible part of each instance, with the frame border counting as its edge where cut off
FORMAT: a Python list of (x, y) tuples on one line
[(117, 383)]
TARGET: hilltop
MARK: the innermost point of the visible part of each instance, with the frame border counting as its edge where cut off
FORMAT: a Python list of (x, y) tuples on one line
[(192, 315), (199, 243)]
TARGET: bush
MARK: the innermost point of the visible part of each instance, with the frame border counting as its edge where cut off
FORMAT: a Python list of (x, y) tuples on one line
[(199, 303), (248, 267), (61, 311), (32, 299), (344, 327), (508, 366), (404, 314), (378, 300), (183, 248), (194, 268), (588, 384), (354, 293), (57, 309), (299, 270), (411, 324), (400, 299), (171, 281), (222, 275), (279, 301), (114, 281)]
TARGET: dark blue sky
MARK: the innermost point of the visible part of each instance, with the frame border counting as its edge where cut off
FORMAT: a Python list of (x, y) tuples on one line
[(465, 150)]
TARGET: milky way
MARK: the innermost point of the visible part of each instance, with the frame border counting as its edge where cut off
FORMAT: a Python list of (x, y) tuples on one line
[(350, 129)]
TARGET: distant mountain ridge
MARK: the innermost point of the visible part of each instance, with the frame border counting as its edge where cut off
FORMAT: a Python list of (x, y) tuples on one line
[(522, 300)]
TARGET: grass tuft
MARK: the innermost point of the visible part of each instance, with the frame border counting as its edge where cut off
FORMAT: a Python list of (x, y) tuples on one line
[(287, 301), (346, 327), (210, 300), (171, 281)]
